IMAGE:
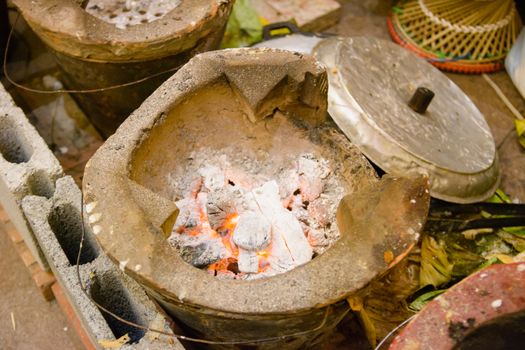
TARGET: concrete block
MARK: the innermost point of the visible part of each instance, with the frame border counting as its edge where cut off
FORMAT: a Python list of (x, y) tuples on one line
[(27, 167), (57, 225)]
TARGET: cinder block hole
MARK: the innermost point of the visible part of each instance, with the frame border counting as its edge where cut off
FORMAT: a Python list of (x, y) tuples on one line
[(40, 185), (107, 290), (13, 145), (66, 224)]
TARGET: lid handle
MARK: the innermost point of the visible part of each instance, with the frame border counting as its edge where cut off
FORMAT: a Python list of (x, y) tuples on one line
[(421, 99)]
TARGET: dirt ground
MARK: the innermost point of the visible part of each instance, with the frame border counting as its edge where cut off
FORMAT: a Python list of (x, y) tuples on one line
[(41, 325), (38, 324)]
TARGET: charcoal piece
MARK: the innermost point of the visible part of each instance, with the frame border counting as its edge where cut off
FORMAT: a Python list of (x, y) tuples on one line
[(248, 261), (203, 254), (253, 231)]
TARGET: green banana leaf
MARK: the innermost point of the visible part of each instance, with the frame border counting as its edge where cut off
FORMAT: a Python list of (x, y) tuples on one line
[(422, 300), (243, 27)]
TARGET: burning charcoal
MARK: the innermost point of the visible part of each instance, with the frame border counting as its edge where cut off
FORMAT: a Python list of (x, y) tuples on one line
[(285, 227), (213, 177), (248, 261), (248, 203), (311, 187), (288, 183), (189, 214), (195, 188), (317, 238), (308, 164), (239, 177), (253, 231), (318, 213), (233, 265), (203, 252), (222, 203), (298, 209), (311, 175)]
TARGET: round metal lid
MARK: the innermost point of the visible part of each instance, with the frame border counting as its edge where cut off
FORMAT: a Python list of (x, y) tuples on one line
[(371, 82)]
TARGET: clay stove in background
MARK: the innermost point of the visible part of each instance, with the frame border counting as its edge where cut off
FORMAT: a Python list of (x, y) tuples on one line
[(95, 54)]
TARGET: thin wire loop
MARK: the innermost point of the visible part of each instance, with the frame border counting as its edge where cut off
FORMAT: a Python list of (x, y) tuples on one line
[(393, 331), (87, 91)]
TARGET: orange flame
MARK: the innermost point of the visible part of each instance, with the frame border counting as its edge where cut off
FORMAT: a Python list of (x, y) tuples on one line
[(226, 235)]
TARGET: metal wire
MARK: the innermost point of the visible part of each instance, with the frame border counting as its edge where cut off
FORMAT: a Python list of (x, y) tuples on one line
[(393, 331), (87, 91)]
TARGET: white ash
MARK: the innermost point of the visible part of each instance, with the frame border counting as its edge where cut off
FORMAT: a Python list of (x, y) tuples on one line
[(284, 214), (252, 232), (285, 228), (213, 178), (248, 262), (125, 13)]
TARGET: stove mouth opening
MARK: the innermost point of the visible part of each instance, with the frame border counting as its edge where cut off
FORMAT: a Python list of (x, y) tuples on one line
[(257, 195)]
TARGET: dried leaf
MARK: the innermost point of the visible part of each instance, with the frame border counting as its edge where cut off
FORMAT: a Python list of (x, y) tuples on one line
[(506, 259), (356, 303), (473, 233), (500, 197), (385, 298), (520, 257), (492, 244), (462, 256), (517, 240), (435, 267), (114, 344)]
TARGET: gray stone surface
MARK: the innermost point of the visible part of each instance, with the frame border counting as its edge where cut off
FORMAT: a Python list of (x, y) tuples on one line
[(57, 226), (27, 166)]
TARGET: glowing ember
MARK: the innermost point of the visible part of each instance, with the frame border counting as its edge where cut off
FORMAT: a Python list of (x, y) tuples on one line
[(255, 230)]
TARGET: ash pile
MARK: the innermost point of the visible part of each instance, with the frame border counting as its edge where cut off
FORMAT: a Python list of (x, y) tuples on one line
[(125, 13), (237, 223)]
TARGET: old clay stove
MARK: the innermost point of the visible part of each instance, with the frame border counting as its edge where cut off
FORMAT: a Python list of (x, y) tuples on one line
[(258, 112), (95, 54)]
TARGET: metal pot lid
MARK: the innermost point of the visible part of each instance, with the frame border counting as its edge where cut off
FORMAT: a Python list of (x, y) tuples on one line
[(292, 42), (371, 82)]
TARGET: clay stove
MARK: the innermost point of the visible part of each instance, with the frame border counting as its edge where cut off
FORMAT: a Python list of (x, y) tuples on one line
[(99, 44), (241, 138)]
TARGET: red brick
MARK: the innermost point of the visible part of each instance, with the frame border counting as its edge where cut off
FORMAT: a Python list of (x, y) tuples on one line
[(74, 321)]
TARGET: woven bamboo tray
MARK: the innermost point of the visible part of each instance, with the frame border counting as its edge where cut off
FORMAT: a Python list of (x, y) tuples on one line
[(467, 36)]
